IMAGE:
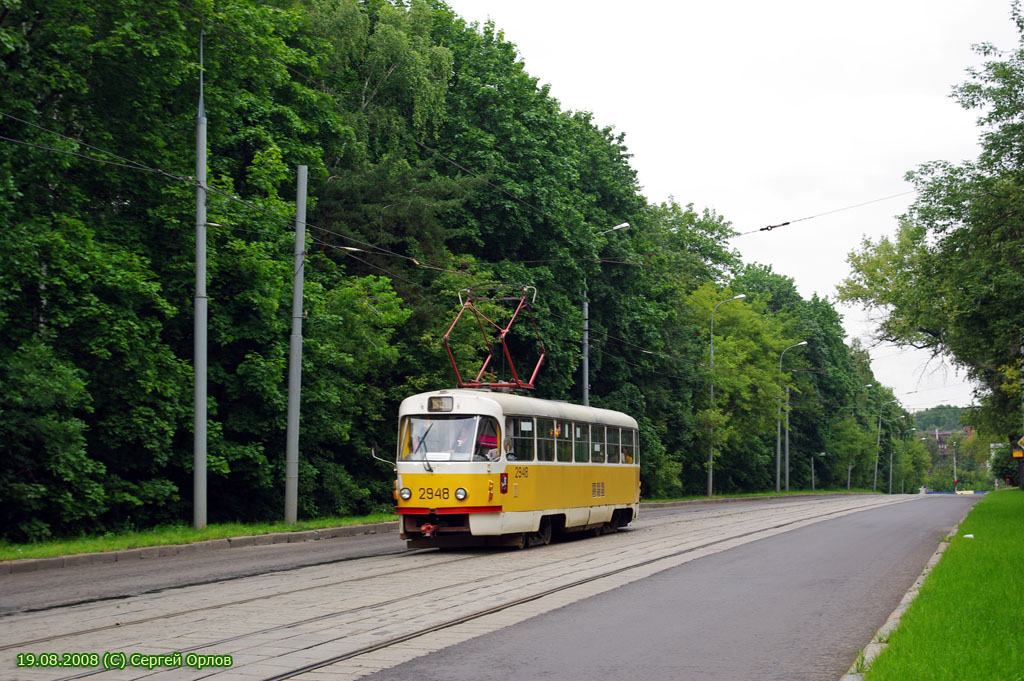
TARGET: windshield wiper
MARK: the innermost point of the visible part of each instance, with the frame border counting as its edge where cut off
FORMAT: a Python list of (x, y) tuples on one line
[(423, 439)]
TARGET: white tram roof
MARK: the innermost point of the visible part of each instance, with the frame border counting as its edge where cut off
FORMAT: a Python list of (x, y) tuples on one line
[(521, 405)]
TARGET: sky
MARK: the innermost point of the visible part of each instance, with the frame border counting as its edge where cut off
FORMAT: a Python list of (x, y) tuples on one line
[(768, 112)]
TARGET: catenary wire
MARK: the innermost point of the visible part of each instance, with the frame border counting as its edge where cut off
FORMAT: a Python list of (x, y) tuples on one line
[(828, 212)]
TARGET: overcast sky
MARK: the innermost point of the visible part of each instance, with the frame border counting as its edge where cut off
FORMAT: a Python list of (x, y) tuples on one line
[(775, 111)]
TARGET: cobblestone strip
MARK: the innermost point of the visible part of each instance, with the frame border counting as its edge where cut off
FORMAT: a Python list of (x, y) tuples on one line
[(353, 609)]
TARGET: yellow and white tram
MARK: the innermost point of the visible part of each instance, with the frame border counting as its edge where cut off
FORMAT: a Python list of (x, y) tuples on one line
[(477, 467)]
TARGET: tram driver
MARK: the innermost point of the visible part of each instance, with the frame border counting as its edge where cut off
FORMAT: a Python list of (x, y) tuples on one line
[(487, 442), (462, 445)]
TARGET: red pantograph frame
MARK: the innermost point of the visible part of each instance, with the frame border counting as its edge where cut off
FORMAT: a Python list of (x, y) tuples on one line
[(521, 305)]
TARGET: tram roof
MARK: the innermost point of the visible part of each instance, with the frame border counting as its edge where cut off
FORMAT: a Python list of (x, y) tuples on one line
[(528, 406)]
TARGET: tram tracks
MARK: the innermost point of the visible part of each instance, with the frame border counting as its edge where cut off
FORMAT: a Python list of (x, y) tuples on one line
[(537, 574), (216, 606), (524, 600)]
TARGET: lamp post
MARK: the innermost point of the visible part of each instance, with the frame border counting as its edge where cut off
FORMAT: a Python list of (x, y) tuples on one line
[(955, 479), (822, 455), (850, 467), (778, 429), (586, 328), (878, 443), (711, 445)]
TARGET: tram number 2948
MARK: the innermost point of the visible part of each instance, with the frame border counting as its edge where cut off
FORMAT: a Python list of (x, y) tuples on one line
[(434, 493)]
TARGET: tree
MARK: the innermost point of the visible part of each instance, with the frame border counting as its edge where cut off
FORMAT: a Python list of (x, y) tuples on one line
[(951, 279)]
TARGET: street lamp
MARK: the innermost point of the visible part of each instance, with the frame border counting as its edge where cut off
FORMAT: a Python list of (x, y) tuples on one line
[(586, 327), (878, 444), (822, 455), (778, 429), (711, 445), (955, 479), (890, 470), (850, 467)]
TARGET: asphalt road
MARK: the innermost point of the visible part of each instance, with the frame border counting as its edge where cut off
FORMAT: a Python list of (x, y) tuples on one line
[(795, 606)]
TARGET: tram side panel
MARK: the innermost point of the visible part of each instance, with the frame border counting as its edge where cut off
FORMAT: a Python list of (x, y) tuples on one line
[(585, 494), (515, 499)]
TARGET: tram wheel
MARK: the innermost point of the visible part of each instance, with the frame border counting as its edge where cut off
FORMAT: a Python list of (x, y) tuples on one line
[(542, 537)]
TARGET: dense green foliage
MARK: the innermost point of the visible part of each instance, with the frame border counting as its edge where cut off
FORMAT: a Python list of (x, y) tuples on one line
[(952, 279), (436, 162), (942, 417)]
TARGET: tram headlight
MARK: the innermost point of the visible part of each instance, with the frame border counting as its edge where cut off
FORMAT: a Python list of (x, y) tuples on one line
[(461, 494), (405, 493)]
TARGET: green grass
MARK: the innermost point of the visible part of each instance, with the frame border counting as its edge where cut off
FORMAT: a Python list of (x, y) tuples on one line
[(967, 623), (170, 535)]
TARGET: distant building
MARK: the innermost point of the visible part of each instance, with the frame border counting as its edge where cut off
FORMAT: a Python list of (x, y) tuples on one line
[(942, 437)]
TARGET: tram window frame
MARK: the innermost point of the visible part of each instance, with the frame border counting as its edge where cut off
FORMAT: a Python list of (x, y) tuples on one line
[(524, 445), (597, 445), (613, 441), (545, 439), (487, 444), (630, 447), (581, 442), (563, 441)]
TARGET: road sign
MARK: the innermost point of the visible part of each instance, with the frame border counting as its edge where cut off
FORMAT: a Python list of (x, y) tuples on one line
[(1018, 454), (1020, 442)]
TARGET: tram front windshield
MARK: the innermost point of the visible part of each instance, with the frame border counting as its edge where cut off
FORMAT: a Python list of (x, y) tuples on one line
[(448, 438)]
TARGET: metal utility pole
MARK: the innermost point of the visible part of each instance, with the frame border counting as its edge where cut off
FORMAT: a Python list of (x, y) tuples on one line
[(291, 466), (711, 371), (586, 346), (878, 448), (891, 448), (778, 428), (586, 327), (954, 468), (787, 438), (199, 415)]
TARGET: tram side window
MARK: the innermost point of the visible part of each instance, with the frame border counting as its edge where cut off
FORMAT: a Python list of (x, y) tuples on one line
[(487, 440), (581, 442), (597, 444), (563, 441), (613, 447), (628, 446), (522, 439), (545, 440)]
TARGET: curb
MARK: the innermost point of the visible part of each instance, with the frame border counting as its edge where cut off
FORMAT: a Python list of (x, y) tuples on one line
[(23, 565), (880, 641)]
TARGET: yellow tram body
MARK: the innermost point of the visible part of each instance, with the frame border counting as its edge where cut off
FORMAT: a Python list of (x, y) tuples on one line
[(486, 468)]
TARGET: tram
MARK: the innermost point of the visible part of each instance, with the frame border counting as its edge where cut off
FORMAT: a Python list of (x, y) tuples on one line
[(489, 468)]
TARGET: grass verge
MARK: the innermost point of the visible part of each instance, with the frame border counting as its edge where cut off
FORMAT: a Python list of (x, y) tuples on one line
[(968, 619), (172, 534)]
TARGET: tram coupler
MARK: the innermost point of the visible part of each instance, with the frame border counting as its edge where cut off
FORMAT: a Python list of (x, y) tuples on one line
[(428, 529)]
